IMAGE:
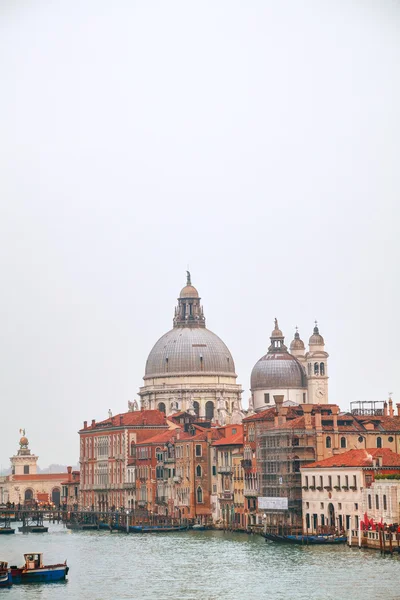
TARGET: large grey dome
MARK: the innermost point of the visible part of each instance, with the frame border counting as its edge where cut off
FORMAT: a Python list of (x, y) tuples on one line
[(189, 350), (278, 370)]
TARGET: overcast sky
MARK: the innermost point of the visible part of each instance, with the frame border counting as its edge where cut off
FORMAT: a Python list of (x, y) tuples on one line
[(256, 141)]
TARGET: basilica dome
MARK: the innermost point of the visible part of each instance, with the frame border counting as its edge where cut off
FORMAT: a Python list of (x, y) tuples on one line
[(189, 350), (278, 369)]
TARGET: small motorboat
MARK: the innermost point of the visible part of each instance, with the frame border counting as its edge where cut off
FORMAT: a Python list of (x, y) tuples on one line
[(311, 540), (5, 575), (199, 527), (34, 570)]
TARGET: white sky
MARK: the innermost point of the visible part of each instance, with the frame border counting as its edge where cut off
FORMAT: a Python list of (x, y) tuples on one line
[(257, 141)]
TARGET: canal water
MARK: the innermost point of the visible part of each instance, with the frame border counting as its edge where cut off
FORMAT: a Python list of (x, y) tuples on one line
[(202, 565)]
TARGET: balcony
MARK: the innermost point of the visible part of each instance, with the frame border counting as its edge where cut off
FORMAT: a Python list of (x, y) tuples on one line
[(226, 496), (177, 479), (129, 485), (251, 493), (161, 500), (224, 469), (142, 503)]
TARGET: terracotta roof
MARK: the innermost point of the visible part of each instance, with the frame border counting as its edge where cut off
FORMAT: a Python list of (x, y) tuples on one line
[(358, 458), (39, 477), (160, 438), (235, 439), (138, 418)]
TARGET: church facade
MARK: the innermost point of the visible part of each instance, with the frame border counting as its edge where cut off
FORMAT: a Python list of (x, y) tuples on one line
[(296, 376), (25, 485), (191, 369)]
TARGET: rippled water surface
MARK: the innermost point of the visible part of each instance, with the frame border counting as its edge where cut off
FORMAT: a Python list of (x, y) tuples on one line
[(201, 565)]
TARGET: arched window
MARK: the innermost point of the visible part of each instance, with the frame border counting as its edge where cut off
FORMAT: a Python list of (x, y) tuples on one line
[(316, 369), (56, 496), (28, 495), (198, 471), (322, 369), (343, 442), (159, 473), (159, 455), (199, 495), (196, 407), (296, 465), (209, 410), (379, 442), (161, 407), (328, 442)]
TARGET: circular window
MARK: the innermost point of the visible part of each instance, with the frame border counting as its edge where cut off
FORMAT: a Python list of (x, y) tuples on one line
[(361, 439), (390, 438)]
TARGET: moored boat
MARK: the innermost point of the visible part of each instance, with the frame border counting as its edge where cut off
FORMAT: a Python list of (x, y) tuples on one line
[(156, 528), (35, 571), (312, 540), (5, 575)]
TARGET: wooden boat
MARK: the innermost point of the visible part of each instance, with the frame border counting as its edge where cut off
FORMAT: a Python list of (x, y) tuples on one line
[(156, 528), (33, 529), (311, 540), (6, 530), (35, 571), (5, 575), (199, 527)]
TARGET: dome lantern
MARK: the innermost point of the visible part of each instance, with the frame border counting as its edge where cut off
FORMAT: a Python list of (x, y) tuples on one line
[(189, 312), (316, 339)]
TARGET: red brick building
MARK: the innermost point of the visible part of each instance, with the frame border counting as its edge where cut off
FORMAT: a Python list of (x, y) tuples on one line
[(105, 446)]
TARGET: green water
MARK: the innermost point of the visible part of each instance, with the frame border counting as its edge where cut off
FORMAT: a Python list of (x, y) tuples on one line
[(201, 565)]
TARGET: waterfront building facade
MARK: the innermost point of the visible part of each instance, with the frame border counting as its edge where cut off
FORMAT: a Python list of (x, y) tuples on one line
[(106, 480), (230, 490), (339, 490), (70, 490), (282, 439), (25, 486), (191, 369), (381, 499)]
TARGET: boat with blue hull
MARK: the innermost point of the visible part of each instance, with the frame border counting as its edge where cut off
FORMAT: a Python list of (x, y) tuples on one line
[(156, 528), (311, 540), (34, 571), (5, 575)]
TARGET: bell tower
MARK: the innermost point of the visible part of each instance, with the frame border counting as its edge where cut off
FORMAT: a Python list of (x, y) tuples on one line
[(317, 369), (24, 463)]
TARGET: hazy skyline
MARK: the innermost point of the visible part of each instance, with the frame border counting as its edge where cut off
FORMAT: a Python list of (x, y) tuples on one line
[(257, 142)]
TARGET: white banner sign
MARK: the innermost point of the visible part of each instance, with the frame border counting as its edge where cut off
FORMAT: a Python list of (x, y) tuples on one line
[(272, 503)]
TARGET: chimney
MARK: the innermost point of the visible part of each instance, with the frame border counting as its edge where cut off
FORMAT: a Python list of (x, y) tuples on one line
[(391, 411), (120, 419), (385, 409), (85, 423), (398, 409), (93, 422), (69, 470), (307, 408), (278, 403)]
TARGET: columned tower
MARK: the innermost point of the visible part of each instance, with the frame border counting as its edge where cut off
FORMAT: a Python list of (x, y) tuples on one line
[(317, 369)]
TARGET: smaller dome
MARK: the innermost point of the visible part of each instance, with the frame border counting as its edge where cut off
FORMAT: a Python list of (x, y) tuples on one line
[(276, 333), (297, 343), (189, 291), (23, 441), (316, 339)]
